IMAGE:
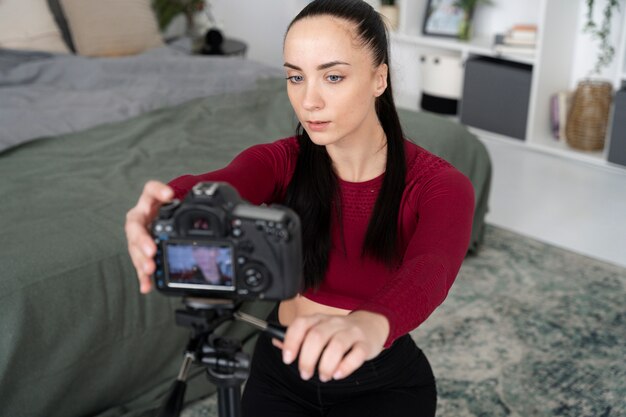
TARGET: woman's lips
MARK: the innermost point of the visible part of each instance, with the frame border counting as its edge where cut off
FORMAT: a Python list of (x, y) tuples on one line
[(317, 126)]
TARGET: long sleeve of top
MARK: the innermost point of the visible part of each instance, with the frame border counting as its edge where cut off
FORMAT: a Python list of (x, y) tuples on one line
[(434, 228)]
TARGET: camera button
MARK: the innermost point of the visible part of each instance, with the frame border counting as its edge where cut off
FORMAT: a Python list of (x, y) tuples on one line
[(237, 232), (241, 260), (254, 277), (245, 246)]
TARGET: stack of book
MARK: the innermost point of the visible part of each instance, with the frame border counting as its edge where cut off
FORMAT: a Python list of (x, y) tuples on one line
[(519, 40)]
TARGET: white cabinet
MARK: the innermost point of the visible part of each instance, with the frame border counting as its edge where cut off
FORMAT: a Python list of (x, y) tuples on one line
[(559, 25)]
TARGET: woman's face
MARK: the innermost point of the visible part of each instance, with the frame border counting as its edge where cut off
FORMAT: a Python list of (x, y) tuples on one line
[(206, 259), (332, 81)]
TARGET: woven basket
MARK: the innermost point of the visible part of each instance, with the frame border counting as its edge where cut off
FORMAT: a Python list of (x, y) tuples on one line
[(589, 115)]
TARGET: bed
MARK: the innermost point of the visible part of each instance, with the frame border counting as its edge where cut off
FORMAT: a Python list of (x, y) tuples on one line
[(78, 138)]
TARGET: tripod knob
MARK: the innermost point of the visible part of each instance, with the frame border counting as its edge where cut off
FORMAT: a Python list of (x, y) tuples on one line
[(227, 364)]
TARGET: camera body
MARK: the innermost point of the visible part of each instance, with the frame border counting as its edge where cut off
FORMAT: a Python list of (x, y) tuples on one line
[(215, 245)]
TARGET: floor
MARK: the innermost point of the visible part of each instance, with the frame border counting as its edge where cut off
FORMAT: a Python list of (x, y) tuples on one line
[(571, 204)]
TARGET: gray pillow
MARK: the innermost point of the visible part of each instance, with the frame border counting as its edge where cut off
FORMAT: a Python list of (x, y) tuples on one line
[(59, 17)]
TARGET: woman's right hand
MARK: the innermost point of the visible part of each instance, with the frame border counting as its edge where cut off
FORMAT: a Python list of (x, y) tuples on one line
[(141, 246)]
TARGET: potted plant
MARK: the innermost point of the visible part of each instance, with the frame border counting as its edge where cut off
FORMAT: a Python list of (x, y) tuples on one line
[(468, 7), (588, 118), (389, 10), (167, 10)]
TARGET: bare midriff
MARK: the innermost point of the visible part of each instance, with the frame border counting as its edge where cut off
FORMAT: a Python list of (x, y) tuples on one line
[(302, 306)]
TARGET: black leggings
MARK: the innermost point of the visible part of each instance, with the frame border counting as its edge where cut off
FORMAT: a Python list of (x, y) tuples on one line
[(398, 382)]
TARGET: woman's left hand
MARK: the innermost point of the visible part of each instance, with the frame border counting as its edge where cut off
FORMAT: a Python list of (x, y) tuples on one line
[(340, 344)]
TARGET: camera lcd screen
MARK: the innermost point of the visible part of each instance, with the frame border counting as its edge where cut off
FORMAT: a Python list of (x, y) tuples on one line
[(203, 266)]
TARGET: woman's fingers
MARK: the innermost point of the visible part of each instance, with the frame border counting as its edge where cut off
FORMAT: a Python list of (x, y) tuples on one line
[(154, 194), (332, 356), (141, 246), (331, 337), (352, 361), (336, 345), (295, 335), (277, 343)]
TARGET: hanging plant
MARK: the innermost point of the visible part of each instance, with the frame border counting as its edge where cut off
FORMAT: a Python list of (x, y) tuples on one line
[(602, 33)]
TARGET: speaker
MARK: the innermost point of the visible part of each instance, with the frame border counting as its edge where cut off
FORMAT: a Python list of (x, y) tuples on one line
[(617, 141), (496, 94)]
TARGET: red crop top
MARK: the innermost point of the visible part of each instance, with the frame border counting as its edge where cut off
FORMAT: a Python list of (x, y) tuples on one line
[(435, 223)]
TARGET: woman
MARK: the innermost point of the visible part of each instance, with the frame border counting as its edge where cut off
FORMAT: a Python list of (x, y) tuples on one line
[(386, 226)]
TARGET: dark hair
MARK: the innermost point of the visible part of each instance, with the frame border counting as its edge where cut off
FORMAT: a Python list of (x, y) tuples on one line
[(315, 197)]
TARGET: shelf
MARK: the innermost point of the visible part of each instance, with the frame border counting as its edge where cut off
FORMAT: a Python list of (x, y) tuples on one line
[(546, 145), (560, 148), (556, 148), (553, 70), (477, 46)]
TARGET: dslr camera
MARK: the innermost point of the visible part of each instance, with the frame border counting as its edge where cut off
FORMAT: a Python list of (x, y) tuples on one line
[(213, 244)]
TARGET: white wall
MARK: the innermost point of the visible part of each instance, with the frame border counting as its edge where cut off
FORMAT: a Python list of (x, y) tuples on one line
[(262, 24), (259, 23), (502, 14)]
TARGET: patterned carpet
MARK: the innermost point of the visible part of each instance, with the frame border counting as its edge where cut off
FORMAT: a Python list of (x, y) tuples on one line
[(527, 330)]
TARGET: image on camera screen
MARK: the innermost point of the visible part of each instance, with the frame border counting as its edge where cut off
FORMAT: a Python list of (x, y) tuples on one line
[(200, 266)]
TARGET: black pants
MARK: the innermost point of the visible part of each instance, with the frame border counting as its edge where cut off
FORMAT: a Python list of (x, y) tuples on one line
[(398, 382)]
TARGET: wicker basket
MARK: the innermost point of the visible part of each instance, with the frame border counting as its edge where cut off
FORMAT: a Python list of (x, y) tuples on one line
[(589, 115)]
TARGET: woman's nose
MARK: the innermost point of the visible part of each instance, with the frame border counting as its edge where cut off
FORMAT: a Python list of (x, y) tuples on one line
[(312, 99)]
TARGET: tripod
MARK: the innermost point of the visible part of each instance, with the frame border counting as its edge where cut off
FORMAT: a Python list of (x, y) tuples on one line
[(226, 365)]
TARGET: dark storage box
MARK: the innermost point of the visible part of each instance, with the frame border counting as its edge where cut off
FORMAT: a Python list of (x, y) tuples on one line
[(617, 144), (496, 95)]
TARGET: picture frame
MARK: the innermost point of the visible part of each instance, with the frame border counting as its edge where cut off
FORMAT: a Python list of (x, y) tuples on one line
[(443, 18)]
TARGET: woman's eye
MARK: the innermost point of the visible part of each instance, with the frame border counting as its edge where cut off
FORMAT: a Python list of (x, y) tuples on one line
[(334, 78), (295, 79)]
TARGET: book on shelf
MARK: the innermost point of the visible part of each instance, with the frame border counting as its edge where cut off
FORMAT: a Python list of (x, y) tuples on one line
[(523, 33), (560, 103), (502, 46), (508, 40)]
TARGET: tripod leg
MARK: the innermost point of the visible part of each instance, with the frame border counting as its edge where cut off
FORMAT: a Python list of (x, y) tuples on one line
[(174, 403), (229, 401)]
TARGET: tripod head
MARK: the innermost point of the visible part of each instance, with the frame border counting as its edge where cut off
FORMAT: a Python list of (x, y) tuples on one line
[(227, 366)]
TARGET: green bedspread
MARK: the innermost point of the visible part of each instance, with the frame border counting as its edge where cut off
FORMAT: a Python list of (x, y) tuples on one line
[(76, 337)]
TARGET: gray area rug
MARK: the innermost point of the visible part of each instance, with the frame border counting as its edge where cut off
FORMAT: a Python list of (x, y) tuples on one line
[(528, 329)]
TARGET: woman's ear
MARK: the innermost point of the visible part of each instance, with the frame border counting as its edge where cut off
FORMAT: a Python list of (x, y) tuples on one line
[(380, 79)]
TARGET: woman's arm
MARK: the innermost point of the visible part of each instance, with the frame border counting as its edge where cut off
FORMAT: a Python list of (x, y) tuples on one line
[(338, 345), (260, 173), (445, 207)]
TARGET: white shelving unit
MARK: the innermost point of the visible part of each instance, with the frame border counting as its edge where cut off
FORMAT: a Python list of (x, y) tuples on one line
[(558, 23), (620, 78)]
